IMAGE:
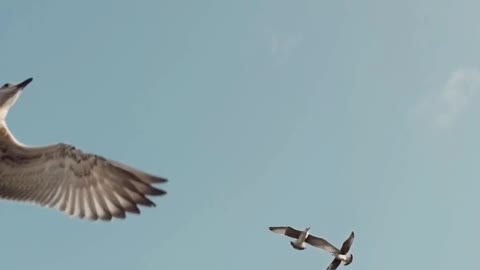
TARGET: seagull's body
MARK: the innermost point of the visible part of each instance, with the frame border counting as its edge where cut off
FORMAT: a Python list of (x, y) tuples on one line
[(301, 237), (341, 256), (300, 242), (60, 176)]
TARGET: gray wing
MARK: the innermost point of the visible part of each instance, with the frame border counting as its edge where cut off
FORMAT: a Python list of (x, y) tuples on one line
[(79, 184), (347, 244), (334, 264), (285, 230), (321, 243)]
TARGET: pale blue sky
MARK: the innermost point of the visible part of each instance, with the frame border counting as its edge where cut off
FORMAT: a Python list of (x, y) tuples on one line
[(340, 115)]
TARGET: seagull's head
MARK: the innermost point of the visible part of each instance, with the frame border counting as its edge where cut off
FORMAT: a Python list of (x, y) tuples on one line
[(9, 93), (349, 260)]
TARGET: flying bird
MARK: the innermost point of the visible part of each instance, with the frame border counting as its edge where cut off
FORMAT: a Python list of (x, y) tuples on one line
[(60, 176), (340, 255), (301, 237)]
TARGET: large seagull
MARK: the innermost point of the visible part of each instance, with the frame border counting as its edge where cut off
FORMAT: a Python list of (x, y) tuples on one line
[(60, 176), (301, 237)]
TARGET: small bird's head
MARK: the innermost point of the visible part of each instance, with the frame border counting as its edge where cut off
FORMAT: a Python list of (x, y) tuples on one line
[(349, 259), (307, 229), (9, 93)]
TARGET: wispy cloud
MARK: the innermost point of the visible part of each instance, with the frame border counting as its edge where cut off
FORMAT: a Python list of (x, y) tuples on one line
[(446, 106)]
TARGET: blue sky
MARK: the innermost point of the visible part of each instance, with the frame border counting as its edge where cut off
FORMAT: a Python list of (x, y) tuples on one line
[(340, 115)]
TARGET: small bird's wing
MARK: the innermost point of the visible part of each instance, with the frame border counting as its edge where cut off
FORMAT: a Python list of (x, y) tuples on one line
[(80, 184), (347, 244), (334, 264), (321, 243), (285, 230)]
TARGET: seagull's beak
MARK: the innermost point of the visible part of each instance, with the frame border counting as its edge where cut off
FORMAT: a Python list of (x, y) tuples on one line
[(24, 83)]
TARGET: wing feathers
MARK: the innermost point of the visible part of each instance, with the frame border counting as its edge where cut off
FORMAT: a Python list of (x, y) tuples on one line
[(79, 204), (145, 177), (101, 205), (348, 243), (140, 198), (79, 184), (72, 200), (57, 197), (125, 200), (90, 211), (321, 243), (334, 264), (63, 201), (286, 230)]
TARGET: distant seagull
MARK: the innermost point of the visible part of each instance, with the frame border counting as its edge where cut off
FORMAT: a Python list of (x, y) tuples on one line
[(340, 255), (301, 237), (61, 176)]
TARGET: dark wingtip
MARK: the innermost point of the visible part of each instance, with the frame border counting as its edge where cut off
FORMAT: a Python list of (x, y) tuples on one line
[(159, 180), (158, 192), (24, 83), (135, 213), (120, 215), (132, 208), (106, 217), (273, 228)]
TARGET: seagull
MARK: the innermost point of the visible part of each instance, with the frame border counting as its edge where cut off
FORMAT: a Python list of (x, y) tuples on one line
[(301, 237), (340, 255), (60, 176)]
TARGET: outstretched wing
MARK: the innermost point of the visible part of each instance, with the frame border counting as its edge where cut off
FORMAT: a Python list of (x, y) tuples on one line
[(80, 184), (288, 231), (334, 264), (321, 243), (347, 244)]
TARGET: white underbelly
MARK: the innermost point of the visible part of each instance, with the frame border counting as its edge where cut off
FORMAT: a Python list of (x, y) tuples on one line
[(300, 242)]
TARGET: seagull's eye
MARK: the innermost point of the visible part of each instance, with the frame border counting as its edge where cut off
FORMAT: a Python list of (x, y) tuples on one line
[(6, 85)]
